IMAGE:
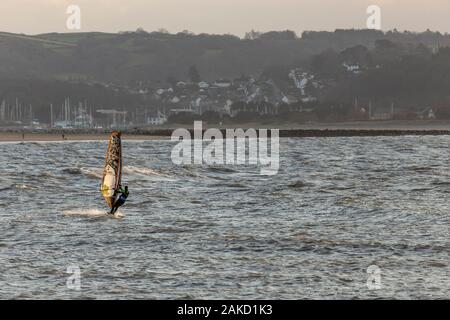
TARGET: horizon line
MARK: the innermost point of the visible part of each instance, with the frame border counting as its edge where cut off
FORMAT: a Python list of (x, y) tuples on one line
[(191, 33)]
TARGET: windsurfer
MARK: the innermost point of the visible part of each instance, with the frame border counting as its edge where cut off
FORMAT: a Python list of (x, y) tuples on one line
[(124, 193)]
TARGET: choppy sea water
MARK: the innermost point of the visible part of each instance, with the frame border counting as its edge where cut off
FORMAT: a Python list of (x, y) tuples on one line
[(337, 206)]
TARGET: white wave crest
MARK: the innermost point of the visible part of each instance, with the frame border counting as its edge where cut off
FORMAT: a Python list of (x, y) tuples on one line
[(85, 212), (91, 213), (143, 170), (96, 173)]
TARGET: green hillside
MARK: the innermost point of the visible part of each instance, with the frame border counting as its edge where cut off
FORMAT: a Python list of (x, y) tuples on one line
[(155, 57)]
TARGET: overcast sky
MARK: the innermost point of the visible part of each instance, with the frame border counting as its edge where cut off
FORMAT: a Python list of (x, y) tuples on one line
[(221, 16)]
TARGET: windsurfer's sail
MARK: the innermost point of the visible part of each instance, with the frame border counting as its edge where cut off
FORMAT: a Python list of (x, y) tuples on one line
[(112, 174)]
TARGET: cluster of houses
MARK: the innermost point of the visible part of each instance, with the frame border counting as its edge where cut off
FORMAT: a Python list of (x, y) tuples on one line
[(230, 97), (263, 96)]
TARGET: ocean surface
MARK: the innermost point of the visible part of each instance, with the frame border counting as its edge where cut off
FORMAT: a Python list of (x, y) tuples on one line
[(337, 206)]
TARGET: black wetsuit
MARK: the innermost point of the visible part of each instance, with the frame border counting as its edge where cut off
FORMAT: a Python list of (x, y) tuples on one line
[(121, 201)]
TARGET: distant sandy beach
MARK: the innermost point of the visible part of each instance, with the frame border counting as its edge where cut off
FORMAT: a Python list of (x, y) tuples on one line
[(50, 137), (339, 129)]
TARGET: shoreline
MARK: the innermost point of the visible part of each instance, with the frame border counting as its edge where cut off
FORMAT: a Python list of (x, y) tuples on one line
[(295, 133), (53, 137), (339, 129)]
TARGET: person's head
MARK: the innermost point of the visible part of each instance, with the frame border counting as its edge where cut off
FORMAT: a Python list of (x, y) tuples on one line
[(126, 188)]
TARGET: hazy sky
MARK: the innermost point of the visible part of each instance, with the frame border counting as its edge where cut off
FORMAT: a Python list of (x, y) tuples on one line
[(221, 16)]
